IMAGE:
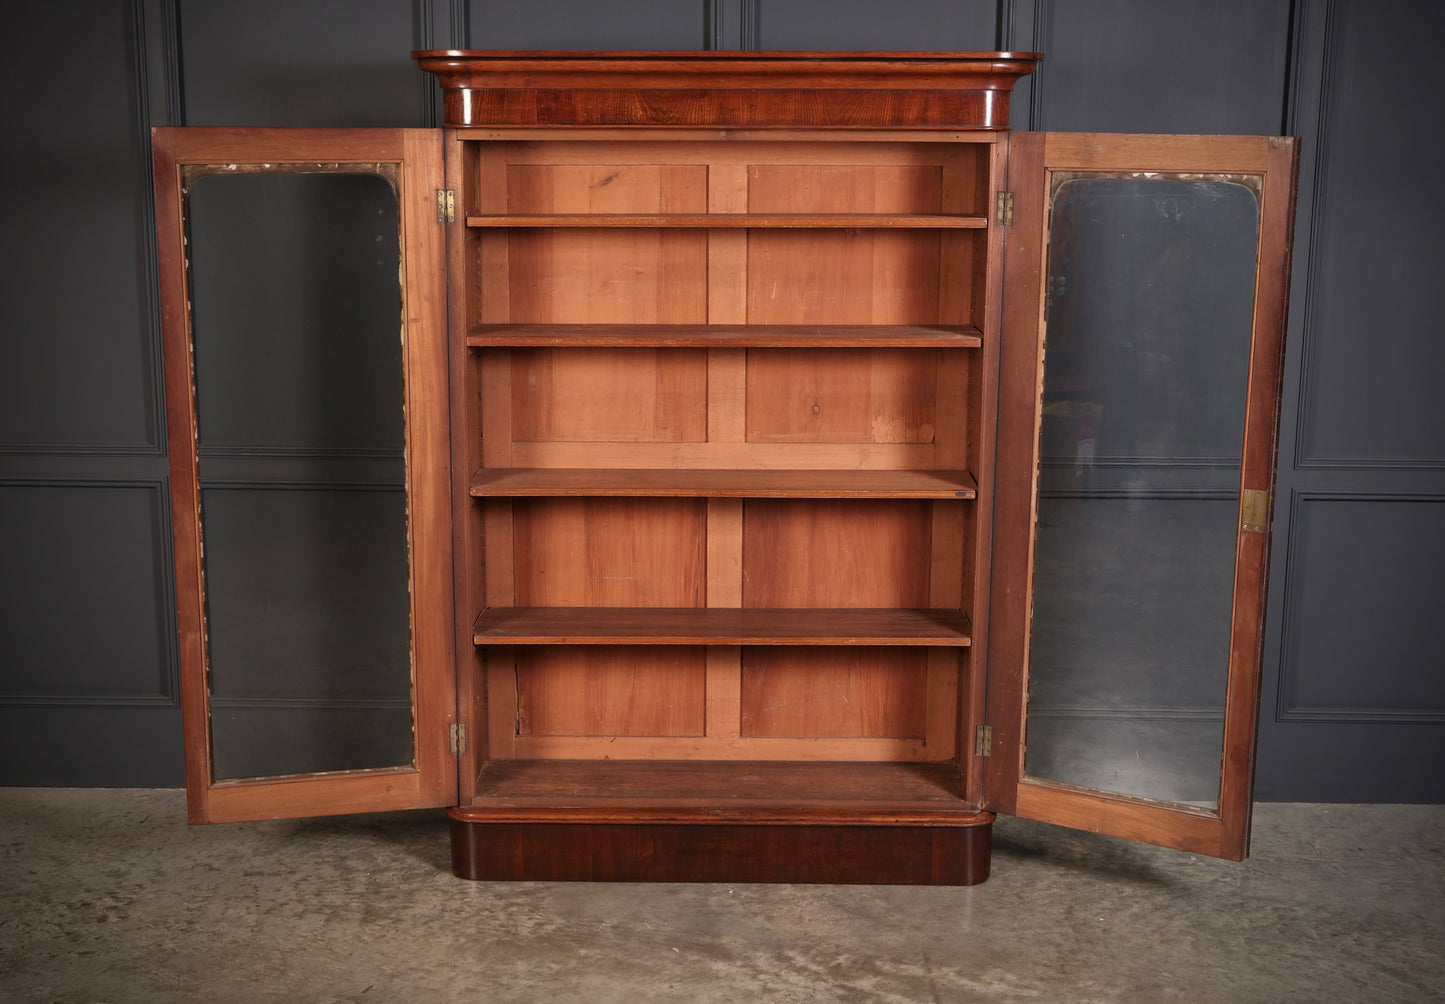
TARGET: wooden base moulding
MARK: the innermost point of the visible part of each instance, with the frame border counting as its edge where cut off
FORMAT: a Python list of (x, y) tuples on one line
[(726, 850)]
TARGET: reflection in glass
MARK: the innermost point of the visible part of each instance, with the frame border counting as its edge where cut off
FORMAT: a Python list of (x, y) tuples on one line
[(296, 298), (1150, 297)]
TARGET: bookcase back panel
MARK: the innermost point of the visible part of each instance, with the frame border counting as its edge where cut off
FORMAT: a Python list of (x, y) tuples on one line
[(587, 275), (796, 176), (636, 395), (607, 188), (842, 395), (908, 259), (843, 277), (845, 188), (611, 691), (835, 692), (832, 553), (726, 408), (723, 453), (644, 275), (610, 552)]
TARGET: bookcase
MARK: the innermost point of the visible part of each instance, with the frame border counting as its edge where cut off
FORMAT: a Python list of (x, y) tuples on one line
[(703, 401)]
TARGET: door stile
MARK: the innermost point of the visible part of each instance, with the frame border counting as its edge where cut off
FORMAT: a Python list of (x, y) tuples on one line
[(989, 308), (466, 411), (1020, 368), (180, 403), (1261, 447), (428, 467)]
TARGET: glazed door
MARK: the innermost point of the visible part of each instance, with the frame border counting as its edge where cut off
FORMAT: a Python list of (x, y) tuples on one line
[(1144, 308), (303, 297)]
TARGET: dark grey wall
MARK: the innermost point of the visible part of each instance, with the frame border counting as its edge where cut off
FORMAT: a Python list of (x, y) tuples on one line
[(1353, 705), (1354, 701), (87, 653)]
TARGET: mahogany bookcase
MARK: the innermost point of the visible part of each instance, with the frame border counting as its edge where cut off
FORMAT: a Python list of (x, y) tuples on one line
[(729, 437)]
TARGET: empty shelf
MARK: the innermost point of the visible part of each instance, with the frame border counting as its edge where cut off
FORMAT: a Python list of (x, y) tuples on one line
[(719, 626), (873, 221), (781, 336), (540, 482), (733, 785)]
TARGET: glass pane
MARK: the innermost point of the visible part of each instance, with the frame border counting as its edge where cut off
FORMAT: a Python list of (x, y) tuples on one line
[(296, 296), (1146, 355)]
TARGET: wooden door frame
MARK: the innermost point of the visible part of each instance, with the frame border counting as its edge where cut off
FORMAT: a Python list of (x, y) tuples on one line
[(1032, 159), (431, 779)]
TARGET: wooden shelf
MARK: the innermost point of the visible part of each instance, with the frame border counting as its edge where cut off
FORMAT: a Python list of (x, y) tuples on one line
[(756, 221), (533, 790), (720, 626), (778, 336), (851, 483)]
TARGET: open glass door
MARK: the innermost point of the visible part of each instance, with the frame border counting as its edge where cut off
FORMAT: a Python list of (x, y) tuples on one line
[(1145, 295), (303, 299)]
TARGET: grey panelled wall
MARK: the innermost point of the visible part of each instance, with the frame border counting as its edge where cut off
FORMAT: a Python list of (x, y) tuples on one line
[(1131, 66), (597, 24), (962, 25), (87, 651), (1353, 706), (283, 63), (1354, 688)]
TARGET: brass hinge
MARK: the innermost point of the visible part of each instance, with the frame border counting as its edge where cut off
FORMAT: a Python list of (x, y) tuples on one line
[(457, 739), (983, 741), (446, 205), (1004, 210), (1254, 510)]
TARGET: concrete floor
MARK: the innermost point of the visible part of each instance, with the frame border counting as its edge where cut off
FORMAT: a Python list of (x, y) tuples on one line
[(107, 895)]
